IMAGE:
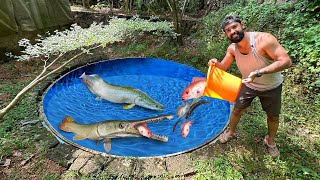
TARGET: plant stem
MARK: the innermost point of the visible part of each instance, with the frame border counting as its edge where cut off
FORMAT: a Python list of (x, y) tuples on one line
[(37, 80)]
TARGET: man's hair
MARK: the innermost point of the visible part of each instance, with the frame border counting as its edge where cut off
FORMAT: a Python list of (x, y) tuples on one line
[(230, 19)]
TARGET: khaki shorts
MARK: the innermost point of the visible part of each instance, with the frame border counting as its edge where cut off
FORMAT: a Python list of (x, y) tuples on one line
[(270, 99)]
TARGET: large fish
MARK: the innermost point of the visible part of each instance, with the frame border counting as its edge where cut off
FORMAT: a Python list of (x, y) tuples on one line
[(119, 94), (195, 89), (106, 130)]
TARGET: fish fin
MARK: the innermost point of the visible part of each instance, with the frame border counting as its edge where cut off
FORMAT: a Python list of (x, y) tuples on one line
[(64, 124), (195, 79), (98, 98), (82, 75), (107, 145), (79, 137), (129, 106)]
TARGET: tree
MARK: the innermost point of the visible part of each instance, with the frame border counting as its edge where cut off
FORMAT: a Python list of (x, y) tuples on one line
[(52, 48)]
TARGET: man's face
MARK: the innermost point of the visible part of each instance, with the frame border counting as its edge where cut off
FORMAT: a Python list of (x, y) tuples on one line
[(234, 31)]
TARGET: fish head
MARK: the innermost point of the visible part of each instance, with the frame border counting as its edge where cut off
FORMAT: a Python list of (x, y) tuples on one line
[(182, 109), (90, 80), (194, 90), (144, 131), (132, 128), (146, 101)]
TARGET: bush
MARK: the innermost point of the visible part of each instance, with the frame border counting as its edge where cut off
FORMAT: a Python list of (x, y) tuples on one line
[(296, 25)]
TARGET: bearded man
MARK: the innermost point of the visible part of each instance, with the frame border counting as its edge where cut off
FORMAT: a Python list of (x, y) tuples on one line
[(260, 59)]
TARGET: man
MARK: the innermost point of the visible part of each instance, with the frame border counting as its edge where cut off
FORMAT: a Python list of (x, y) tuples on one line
[(260, 58)]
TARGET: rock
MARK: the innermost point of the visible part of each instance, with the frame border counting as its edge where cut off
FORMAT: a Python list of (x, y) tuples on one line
[(119, 166), (81, 160), (150, 167), (180, 165), (90, 167)]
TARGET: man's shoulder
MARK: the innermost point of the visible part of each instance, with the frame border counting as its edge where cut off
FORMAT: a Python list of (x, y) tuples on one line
[(231, 48), (264, 38), (263, 35)]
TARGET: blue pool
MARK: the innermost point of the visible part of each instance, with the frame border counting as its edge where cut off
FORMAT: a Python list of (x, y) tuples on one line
[(163, 80)]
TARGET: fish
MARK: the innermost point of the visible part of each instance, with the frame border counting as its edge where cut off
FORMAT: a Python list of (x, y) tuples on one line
[(144, 131), (180, 112), (185, 128), (109, 129), (195, 89), (182, 109), (195, 106), (119, 94)]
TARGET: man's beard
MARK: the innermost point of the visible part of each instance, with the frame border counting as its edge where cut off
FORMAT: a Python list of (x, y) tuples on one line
[(238, 38)]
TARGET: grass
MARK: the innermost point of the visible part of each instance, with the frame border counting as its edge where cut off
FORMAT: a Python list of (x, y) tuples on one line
[(242, 158), (298, 141)]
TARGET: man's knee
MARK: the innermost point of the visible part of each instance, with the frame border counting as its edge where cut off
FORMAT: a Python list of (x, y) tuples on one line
[(237, 112), (274, 118)]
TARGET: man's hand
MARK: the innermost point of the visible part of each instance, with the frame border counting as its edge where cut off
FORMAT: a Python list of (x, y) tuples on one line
[(212, 62), (250, 78)]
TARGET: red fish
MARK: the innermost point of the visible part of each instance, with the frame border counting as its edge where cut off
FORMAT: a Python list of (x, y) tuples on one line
[(144, 131), (186, 128), (195, 89)]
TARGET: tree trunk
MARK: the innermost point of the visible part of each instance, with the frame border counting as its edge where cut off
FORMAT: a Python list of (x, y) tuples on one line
[(176, 20)]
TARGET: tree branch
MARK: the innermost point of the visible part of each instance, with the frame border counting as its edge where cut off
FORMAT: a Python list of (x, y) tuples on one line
[(37, 80)]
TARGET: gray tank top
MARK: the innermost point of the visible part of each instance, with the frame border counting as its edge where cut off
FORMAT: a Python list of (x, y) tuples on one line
[(253, 61)]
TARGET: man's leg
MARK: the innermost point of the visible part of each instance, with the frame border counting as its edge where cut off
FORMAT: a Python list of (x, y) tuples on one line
[(273, 124), (234, 120), (244, 99), (271, 104)]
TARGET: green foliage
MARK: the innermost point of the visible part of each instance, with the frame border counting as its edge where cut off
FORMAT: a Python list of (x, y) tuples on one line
[(297, 29), (150, 7), (313, 6), (220, 167), (300, 36), (117, 30)]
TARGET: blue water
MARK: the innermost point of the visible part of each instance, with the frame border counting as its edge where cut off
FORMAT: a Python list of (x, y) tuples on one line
[(162, 80)]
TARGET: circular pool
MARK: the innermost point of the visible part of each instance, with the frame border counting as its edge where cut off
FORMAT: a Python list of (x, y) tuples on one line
[(162, 80)]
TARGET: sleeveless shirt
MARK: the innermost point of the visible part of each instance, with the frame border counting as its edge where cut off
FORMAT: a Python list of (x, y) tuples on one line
[(253, 61)]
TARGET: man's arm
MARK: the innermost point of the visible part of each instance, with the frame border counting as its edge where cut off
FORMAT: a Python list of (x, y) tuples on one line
[(226, 61), (272, 47)]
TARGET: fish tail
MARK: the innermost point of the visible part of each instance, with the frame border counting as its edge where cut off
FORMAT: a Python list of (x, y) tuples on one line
[(83, 75), (65, 124)]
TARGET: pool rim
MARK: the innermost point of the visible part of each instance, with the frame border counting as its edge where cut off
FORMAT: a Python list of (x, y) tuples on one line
[(67, 141)]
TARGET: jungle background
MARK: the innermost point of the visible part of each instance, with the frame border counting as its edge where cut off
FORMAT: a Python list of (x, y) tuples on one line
[(26, 146)]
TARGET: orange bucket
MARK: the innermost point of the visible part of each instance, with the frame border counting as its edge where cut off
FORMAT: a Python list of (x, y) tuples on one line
[(222, 85)]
